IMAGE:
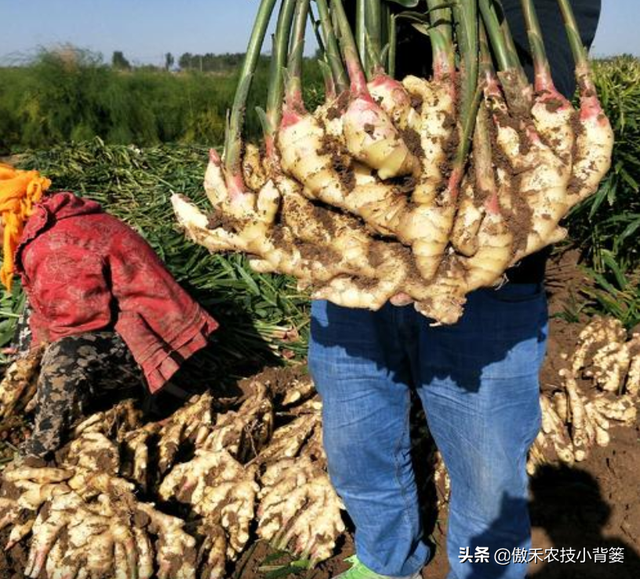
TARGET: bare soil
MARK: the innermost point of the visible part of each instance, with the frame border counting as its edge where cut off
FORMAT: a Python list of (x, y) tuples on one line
[(13, 562), (594, 505)]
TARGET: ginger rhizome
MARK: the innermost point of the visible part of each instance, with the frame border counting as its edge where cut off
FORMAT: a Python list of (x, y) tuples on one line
[(428, 188), (181, 498)]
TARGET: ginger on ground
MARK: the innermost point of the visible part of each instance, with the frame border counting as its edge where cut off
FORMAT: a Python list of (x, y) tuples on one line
[(115, 422), (19, 384), (191, 422), (245, 431), (289, 439), (223, 492), (299, 509)]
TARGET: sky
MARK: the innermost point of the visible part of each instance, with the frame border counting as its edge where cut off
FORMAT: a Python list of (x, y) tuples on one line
[(147, 29)]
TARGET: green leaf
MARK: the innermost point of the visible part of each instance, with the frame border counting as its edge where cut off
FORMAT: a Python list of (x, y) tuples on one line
[(610, 262), (629, 231), (405, 3), (422, 28), (278, 571), (264, 120)]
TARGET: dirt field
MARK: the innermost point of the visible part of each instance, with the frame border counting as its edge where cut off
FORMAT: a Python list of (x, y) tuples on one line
[(592, 506)]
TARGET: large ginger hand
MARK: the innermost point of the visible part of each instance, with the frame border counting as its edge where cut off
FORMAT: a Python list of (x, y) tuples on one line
[(25, 489), (175, 549), (20, 382), (47, 528), (299, 509), (94, 452), (136, 446), (213, 552), (220, 489), (98, 545), (192, 422), (553, 442), (245, 432), (289, 439), (542, 176), (278, 482), (115, 422), (40, 475), (605, 354), (241, 218), (232, 504), (298, 390), (599, 332), (187, 482)]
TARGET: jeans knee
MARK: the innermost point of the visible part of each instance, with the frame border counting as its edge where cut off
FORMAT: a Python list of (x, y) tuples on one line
[(487, 487)]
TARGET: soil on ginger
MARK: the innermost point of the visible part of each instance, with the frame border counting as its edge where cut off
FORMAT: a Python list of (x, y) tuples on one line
[(13, 562), (591, 506)]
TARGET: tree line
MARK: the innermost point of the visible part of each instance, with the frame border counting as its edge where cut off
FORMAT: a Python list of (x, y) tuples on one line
[(208, 62)]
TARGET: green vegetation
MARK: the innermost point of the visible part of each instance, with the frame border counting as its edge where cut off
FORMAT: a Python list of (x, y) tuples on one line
[(211, 62), (11, 306), (607, 226), (71, 95), (56, 101), (263, 317)]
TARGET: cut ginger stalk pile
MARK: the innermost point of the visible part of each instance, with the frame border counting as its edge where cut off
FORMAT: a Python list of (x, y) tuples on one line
[(428, 188)]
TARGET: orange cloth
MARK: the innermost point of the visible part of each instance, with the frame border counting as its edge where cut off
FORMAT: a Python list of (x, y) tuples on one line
[(19, 190)]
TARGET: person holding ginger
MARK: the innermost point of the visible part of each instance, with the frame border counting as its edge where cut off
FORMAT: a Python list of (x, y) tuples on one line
[(477, 381)]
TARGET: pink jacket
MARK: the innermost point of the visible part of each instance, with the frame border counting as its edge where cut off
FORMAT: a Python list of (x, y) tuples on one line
[(84, 270)]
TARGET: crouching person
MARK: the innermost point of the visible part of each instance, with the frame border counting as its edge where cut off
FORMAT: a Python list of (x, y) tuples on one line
[(103, 305)]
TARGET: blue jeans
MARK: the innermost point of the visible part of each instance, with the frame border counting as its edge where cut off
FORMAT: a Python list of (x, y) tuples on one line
[(478, 383)]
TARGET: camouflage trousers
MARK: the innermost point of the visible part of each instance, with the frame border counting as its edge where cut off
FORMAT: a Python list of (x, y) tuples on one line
[(78, 374)]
